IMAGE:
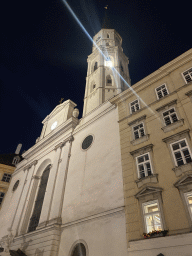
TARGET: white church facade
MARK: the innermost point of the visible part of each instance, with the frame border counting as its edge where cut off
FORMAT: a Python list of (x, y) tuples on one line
[(66, 197)]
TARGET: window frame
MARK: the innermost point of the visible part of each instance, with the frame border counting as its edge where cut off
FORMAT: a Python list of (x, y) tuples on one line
[(1, 201), (147, 214), (187, 203), (169, 116), (9, 178), (139, 131), (183, 157), (184, 76), (132, 112), (163, 95), (145, 170)]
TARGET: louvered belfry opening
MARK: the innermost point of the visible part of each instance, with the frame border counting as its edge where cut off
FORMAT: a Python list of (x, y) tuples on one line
[(79, 250), (34, 220)]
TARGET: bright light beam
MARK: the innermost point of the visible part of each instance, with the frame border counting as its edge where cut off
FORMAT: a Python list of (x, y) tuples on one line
[(106, 57)]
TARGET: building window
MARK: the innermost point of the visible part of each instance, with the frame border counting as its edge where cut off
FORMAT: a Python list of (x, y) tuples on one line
[(79, 250), (144, 165), (107, 35), (188, 75), (94, 86), (188, 197), (107, 44), (34, 221), (138, 131), (181, 152), (108, 80), (95, 66), (134, 106), (161, 91), (152, 216), (6, 177), (170, 116), (1, 197)]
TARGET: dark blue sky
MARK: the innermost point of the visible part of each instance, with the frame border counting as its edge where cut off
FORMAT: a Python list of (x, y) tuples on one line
[(44, 53)]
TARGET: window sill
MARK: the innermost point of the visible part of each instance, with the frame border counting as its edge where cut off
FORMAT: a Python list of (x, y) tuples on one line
[(179, 170), (140, 140), (149, 179), (173, 126)]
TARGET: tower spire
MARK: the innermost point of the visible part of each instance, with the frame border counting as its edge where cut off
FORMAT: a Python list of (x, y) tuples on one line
[(106, 21)]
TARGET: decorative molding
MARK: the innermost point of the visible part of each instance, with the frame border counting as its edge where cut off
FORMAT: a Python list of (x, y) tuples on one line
[(100, 215), (137, 120), (167, 139), (179, 170), (147, 191), (60, 145), (142, 150), (172, 126), (169, 104), (184, 181), (36, 177), (149, 179), (27, 167)]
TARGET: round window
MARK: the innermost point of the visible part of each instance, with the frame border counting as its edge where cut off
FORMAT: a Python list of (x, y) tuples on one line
[(16, 185), (87, 142)]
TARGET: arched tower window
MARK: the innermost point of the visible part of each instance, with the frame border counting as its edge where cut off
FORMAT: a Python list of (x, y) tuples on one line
[(108, 80), (34, 221), (95, 66), (79, 250), (121, 67), (107, 35)]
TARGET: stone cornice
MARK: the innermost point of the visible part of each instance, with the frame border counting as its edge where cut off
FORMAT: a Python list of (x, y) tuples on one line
[(95, 216), (175, 135), (145, 148), (137, 120), (155, 76), (169, 104)]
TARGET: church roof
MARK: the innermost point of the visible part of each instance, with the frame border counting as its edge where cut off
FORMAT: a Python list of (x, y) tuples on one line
[(7, 159), (106, 21)]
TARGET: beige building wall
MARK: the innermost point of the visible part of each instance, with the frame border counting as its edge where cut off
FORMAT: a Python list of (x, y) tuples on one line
[(4, 185), (168, 182)]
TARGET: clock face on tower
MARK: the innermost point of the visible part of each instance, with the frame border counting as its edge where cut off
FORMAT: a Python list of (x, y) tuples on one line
[(54, 125)]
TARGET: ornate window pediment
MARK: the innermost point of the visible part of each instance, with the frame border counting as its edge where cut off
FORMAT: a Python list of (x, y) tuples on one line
[(148, 190), (184, 181)]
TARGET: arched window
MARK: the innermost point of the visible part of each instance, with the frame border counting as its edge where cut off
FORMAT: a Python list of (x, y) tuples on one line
[(122, 70), (34, 221), (107, 35), (108, 80), (79, 250), (95, 66)]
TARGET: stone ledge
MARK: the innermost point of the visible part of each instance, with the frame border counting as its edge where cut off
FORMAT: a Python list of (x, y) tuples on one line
[(140, 140), (149, 179), (173, 126), (179, 170)]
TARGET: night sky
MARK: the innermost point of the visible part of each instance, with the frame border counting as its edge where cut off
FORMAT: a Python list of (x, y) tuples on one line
[(44, 53)]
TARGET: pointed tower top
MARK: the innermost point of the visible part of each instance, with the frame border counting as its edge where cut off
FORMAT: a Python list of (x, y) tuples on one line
[(106, 21)]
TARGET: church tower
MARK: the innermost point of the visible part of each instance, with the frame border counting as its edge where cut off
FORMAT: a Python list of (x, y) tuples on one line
[(106, 64)]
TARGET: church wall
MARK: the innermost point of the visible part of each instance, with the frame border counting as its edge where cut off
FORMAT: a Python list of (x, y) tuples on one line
[(94, 176), (102, 236)]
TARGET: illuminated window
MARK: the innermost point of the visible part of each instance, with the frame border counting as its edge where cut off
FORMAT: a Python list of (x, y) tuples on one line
[(144, 165), (161, 91), (6, 177), (138, 131), (1, 197), (108, 62), (181, 152), (152, 216), (188, 197), (134, 106), (170, 116), (187, 75)]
